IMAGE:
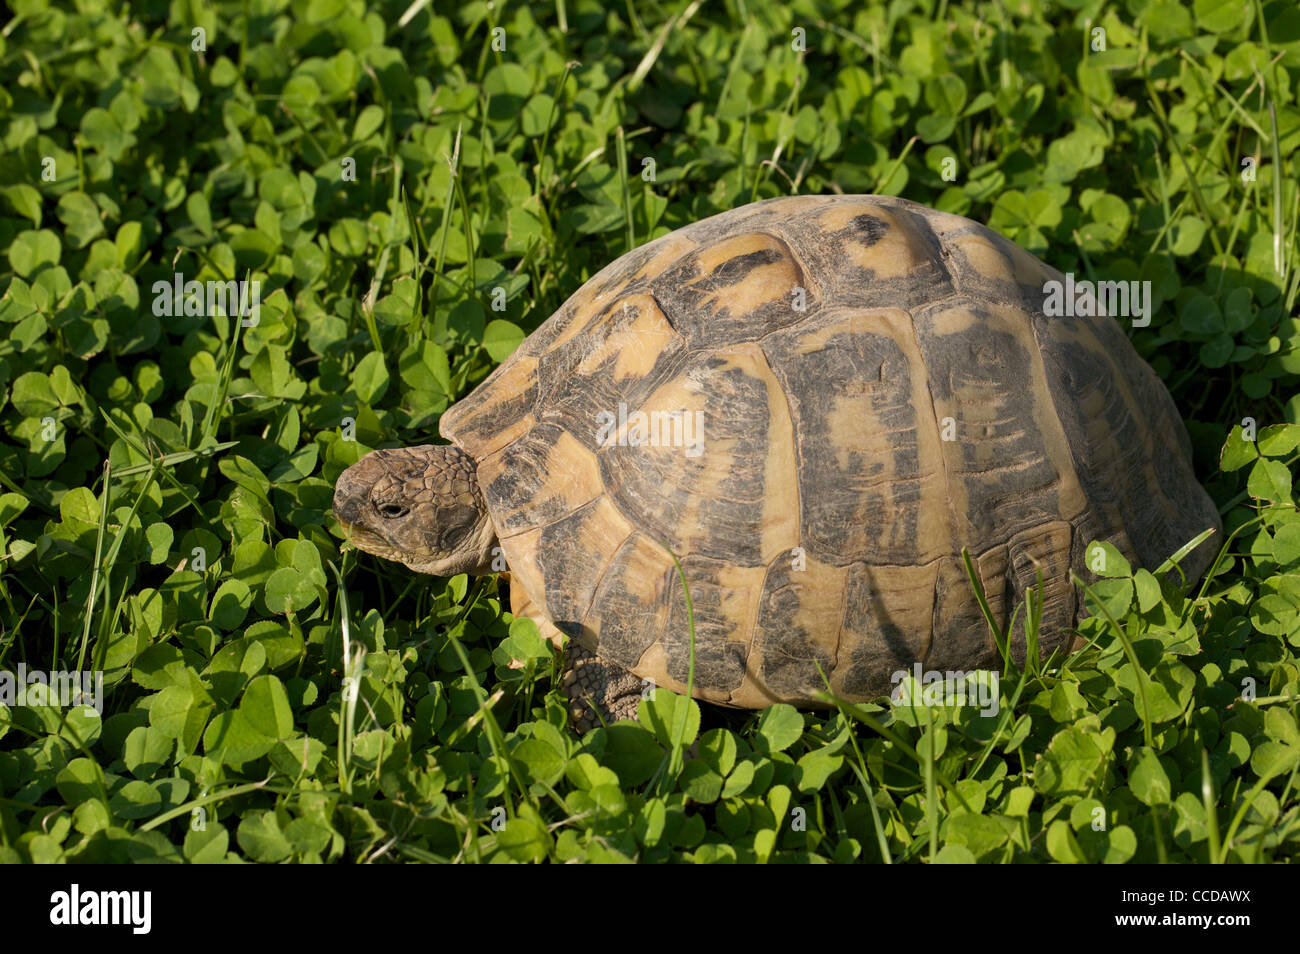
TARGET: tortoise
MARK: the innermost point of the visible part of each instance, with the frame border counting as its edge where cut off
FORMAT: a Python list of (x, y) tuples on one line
[(816, 403)]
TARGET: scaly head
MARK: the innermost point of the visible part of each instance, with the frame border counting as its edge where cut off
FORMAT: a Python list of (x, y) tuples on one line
[(420, 506)]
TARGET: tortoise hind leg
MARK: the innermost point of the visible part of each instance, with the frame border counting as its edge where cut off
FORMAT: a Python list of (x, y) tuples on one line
[(597, 689)]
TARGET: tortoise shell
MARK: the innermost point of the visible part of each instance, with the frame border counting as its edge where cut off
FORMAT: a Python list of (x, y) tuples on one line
[(873, 387)]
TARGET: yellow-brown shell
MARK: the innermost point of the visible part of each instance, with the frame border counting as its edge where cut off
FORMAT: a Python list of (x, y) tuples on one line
[(919, 402)]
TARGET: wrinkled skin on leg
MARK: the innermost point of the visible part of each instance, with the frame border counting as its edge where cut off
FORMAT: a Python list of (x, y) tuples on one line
[(596, 689)]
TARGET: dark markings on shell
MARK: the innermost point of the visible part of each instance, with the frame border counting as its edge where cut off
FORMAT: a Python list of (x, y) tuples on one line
[(617, 276), (579, 391), (911, 270), (522, 496), (1109, 414), (736, 270), (1158, 521), (572, 555), (978, 281), (960, 638), (1009, 573), (984, 378), (713, 501), (790, 654), (879, 635), (586, 413), (628, 609), (721, 646), (858, 501), (717, 308), (479, 417), (1044, 550), (868, 229)]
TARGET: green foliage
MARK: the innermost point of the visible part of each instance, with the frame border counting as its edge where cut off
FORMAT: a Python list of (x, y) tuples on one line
[(268, 699)]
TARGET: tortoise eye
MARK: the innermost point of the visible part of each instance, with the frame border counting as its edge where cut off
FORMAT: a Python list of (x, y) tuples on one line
[(392, 511)]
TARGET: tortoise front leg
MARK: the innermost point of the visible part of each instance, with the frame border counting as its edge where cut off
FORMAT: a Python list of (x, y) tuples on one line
[(592, 685), (597, 689)]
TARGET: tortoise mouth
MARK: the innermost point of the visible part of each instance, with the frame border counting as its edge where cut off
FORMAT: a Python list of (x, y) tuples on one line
[(349, 500), (373, 543), (365, 539)]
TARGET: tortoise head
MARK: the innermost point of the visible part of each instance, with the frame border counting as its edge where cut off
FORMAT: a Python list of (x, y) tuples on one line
[(420, 506)]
